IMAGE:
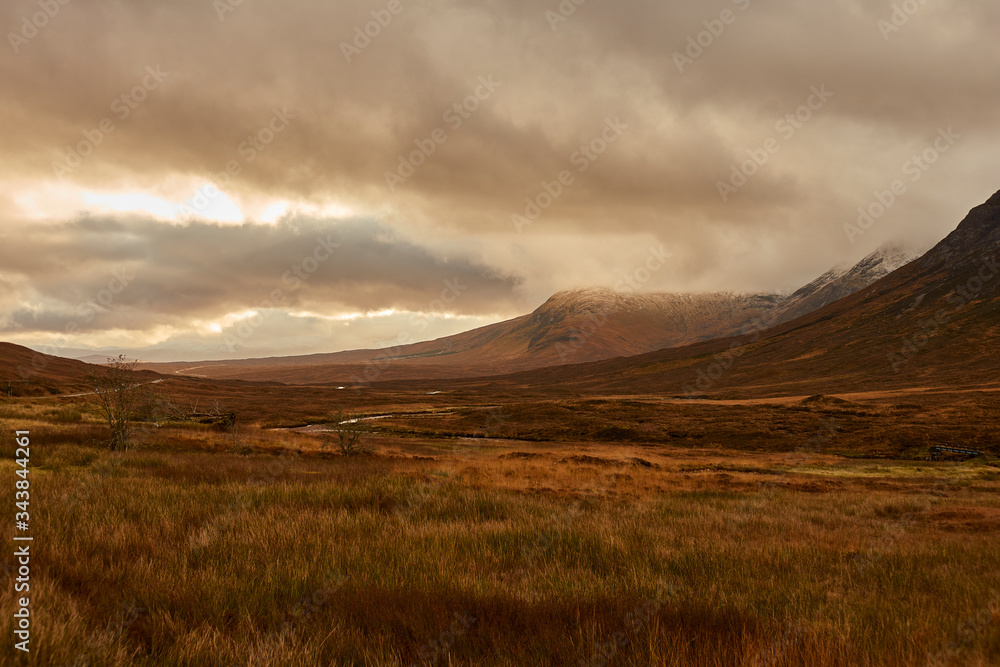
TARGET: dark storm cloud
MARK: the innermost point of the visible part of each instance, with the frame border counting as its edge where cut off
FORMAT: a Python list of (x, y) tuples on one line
[(229, 68), (138, 273)]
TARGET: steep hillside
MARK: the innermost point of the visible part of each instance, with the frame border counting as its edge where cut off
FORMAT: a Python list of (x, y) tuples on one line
[(933, 322)]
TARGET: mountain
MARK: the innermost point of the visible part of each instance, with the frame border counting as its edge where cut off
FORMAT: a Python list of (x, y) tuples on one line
[(843, 281), (571, 327), (932, 322)]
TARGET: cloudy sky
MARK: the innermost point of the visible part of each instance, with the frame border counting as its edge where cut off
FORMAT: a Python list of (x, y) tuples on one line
[(245, 178)]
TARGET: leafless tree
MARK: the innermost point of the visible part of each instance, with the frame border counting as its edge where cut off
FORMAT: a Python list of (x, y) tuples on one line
[(350, 437), (121, 395)]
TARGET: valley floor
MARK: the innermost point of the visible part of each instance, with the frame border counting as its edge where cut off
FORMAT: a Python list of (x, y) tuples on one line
[(529, 544)]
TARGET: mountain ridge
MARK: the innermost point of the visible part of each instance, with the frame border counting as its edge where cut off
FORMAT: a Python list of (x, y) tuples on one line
[(933, 321), (572, 326)]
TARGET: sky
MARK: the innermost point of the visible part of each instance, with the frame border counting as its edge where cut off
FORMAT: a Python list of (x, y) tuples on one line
[(244, 178)]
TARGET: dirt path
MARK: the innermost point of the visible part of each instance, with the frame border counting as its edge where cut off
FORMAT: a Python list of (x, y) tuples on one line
[(184, 371)]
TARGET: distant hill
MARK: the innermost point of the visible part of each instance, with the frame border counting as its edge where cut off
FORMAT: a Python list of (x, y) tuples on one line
[(30, 373), (571, 327)]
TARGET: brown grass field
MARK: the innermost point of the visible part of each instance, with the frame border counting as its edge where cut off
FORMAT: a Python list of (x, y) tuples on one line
[(543, 532)]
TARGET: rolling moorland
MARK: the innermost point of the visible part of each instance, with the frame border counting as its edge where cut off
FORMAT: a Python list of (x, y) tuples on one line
[(759, 499)]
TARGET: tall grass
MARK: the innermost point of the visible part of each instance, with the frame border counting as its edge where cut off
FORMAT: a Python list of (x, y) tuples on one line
[(198, 556)]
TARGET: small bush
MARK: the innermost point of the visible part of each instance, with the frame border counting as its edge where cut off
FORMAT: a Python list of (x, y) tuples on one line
[(350, 438)]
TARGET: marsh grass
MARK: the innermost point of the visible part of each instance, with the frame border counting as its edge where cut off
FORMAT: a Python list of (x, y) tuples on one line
[(184, 553)]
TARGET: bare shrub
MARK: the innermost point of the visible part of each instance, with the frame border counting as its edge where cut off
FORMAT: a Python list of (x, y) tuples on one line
[(121, 398), (350, 438)]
